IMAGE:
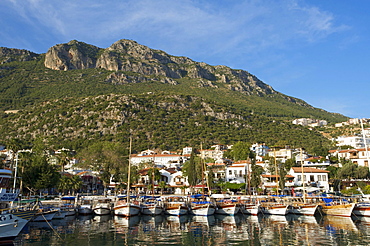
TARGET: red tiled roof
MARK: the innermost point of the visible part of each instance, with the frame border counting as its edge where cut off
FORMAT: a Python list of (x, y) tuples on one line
[(308, 170)]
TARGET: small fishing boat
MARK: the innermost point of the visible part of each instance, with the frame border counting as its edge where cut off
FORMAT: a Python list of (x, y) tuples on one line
[(85, 206), (274, 207), (362, 209), (102, 206), (124, 206), (175, 205), (337, 207), (225, 205), (68, 205), (151, 205), (249, 205), (201, 205)]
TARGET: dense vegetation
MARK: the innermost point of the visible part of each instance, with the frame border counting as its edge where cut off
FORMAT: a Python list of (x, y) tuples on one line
[(78, 107)]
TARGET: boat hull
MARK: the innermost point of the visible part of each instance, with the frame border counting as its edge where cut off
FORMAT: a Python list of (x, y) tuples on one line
[(343, 210), (126, 210), (250, 209), (203, 209), (10, 226), (151, 210), (362, 210), (227, 209), (176, 210), (275, 209), (305, 209)]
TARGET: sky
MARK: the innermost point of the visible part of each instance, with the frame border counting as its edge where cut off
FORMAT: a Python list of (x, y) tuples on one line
[(314, 50)]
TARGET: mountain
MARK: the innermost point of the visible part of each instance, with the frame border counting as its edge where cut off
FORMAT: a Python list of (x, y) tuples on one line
[(81, 92)]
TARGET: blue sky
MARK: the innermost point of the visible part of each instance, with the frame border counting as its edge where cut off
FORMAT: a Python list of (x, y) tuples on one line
[(315, 50)]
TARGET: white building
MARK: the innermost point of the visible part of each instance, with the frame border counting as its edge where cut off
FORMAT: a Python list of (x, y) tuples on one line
[(236, 173), (260, 149), (160, 160), (354, 141), (187, 150), (312, 177), (360, 157)]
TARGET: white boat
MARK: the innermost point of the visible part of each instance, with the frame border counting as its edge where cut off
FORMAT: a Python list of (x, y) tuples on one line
[(225, 205), (249, 205), (201, 205), (362, 209), (151, 205), (302, 206), (12, 220), (126, 207), (45, 214), (274, 206), (305, 209), (175, 205), (102, 206), (275, 209), (85, 207)]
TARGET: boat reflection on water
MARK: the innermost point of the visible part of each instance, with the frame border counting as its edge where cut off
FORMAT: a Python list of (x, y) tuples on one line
[(126, 222), (152, 222), (339, 223), (203, 220), (177, 223), (199, 230), (276, 219), (228, 222)]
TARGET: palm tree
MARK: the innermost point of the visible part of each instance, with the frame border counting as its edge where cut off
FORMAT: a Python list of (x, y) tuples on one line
[(162, 185)]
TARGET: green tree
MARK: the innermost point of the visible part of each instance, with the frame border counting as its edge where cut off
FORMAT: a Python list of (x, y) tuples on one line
[(240, 151), (192, 170), (108, 158)]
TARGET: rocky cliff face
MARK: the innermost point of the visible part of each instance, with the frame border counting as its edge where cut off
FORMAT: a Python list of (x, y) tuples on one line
[(9, 55), (145, 64)]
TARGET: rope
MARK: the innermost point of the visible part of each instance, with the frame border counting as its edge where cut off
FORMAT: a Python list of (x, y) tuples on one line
[(52, 227)]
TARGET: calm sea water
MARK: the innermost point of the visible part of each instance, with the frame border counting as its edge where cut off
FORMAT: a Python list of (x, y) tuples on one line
[(196, 230)]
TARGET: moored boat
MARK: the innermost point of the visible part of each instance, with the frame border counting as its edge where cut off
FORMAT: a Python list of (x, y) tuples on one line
[(12, 219), (124, 207), (85, 206), (226, 205), (102, 206), (175, 205), (337, 207), (151, 205), (362, 209), (201, 205)]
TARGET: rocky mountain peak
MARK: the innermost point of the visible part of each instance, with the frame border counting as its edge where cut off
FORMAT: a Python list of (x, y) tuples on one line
[(9, 55), (149, 65)]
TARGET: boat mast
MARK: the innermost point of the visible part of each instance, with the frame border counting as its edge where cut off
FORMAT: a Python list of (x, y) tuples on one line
[(129, 173), (304, 191)]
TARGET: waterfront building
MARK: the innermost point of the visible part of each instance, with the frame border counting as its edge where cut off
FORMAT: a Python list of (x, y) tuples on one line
[(312, 177)]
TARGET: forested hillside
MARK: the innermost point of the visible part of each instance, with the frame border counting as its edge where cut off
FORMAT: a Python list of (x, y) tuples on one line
[(77, 94)]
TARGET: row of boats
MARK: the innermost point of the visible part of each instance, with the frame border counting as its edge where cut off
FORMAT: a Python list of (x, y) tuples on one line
[(203, 205)]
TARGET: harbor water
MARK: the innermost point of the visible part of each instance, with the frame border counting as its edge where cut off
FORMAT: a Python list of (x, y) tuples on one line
[(198, 230)]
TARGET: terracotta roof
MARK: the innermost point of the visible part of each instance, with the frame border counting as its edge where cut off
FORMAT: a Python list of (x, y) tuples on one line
[(274, 176), (308, 170)]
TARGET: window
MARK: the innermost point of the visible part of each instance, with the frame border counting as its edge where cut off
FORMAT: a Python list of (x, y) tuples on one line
[(299, 177), (323, 177), (318, 177), (230, 172)]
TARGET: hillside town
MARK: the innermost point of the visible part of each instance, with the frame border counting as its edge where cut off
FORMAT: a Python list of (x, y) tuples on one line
[(306, 170)]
